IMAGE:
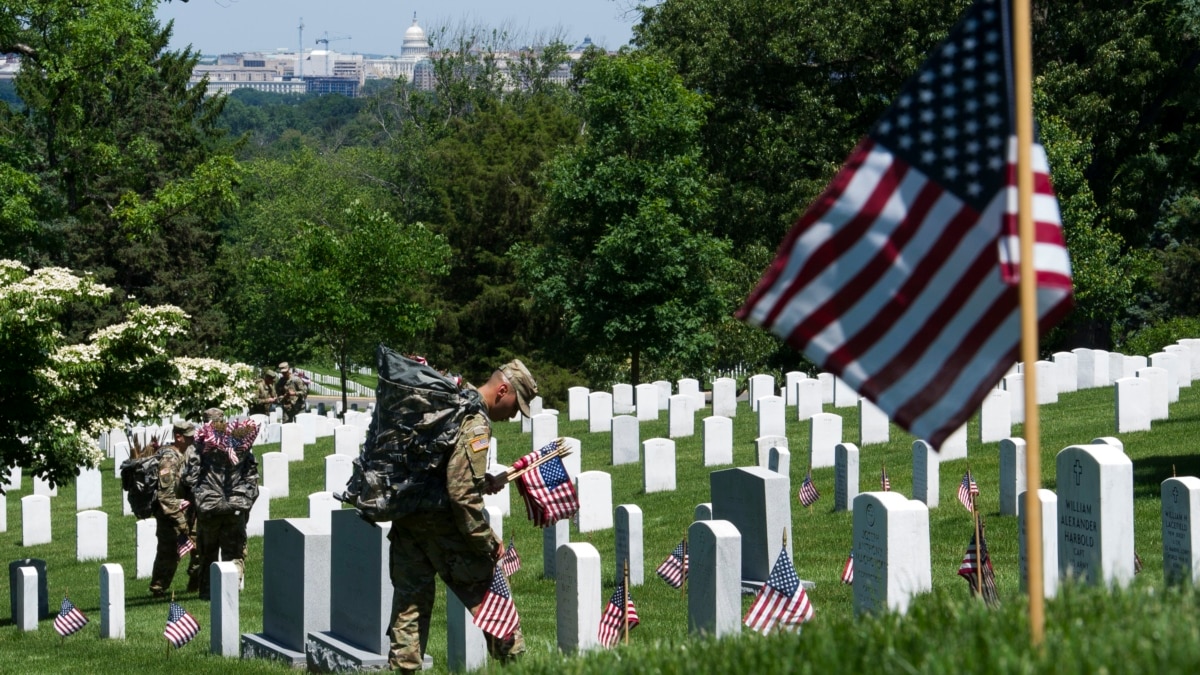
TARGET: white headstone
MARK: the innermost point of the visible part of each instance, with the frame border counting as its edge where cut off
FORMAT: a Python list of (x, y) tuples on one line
[(1091, 368), (544, 430), (338, 469), (126, 508), (1116, 367), (725, 397), (577, 403), (658, 467), (1047, 382), (844, 395), (120, 454), (1067, 367), (808, 399), (714, 584), (147, 546), (112, 602), (1049, 504), (681, 416), (1170, 363), (825, 432), (1183, 356), (554, 536), (1134, 364), (595, 501), (91, 535), (629, 543), (873, 426), (1015, 386), (577, 589), (779, 460), (760, 386), (291, 441), (275, 474), (260, 513), (27, 597), (320, 506), (703, 511), (1012, 474), (501, 499), (891, 552), (466, 645), (3, 513), (89, 489), (272, 433), (718, 440), (690, 387), (1158, 391), (600, 411), (925, 474), (35, 520), (790, 380), (41, 486), (827, 387), (307, 422), (1133, 404), (573, 461), (995, 416), (224, 610), (1194, 345), (1181, 530), (664, 393), (347, 440), (955, 445), (845, 482), (625, 440), (14, 479), (771, 416), (622, 399), (1095, 514), (647, 402)]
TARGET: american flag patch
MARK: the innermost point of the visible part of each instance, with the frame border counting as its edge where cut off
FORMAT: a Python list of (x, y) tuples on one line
[(480, 443)]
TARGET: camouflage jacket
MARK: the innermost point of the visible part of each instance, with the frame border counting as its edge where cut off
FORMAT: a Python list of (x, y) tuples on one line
[(466, 478), (170, 470), (263, 398), (291, 392)]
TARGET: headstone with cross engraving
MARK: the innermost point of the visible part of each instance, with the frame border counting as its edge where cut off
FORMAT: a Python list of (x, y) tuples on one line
[(1095, 514), (1181, 530), (891, 552)]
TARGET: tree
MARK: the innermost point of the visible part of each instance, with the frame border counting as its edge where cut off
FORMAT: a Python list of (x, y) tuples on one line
[(56, 396), (623, 246)]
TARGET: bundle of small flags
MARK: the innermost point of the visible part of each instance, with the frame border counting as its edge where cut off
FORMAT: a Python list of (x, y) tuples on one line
[(510, 562), (181, 626), (612, 623), (673, 570), (781, 601), (848, 570), (238, 436), (70, 619), (968, 490), (547, 489), (497, 614), (808, 491)]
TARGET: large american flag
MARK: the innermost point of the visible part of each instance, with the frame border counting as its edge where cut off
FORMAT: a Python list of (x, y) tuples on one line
[(612, 623), (497, 615), (848, 570), (901, 277), (548, 491), (969, 569), (70, 619), (781, 601), (510, 562), (674, 569), (808, 491), (181, 626), (968, 489)]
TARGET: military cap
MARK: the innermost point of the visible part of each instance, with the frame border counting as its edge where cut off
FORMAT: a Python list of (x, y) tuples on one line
[(522, 382), (185, 428), (214, 415), (284, 367)]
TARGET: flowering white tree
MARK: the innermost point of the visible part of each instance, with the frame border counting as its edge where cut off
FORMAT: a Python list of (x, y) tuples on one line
[(56, 398)]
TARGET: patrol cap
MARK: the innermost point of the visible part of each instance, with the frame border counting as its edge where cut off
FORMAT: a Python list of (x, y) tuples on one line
[(185, 428), (267, 372), (284, 367), (214, 415), (522, 382)]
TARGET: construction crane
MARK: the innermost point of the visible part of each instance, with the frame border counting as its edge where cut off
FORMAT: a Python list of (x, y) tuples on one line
[(300, 54), (326, 40)]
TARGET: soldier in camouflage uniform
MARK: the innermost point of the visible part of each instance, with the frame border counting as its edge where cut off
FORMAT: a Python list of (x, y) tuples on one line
[(171, 511), (458, 545), (264, 396), (290, 392)]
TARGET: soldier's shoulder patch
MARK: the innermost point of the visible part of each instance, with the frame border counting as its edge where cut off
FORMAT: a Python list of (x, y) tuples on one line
[(480, 441), (164, 471)]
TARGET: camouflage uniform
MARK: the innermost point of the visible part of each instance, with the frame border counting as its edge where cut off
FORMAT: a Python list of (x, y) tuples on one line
[(458, 545), (264, 396), (172, 520), (291, 392)]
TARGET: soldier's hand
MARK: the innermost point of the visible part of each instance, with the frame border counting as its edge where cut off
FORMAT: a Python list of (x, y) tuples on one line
[(495, 483)]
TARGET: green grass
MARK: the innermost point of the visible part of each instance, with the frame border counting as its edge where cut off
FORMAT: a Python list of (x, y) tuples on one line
[(1144, 627)]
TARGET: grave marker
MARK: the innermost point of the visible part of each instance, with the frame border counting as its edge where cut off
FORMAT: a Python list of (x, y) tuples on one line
[(845, 483), (595, 501), (955, 445), (843, 395), (1049, 502), (40, 596), (1012, 474), (91, 535), (718, 440), (1133, 404), (759, 386), (995, 416), (1067, 369), (791, 380), (825, 432), (622, 399), (647, 402), (1095, 514), (224, 612), (1015, 386), (35, 520), (873, 425), (891, 552), (771, 416), (577, 590), (1156, 379), (338, 470), (681, 417), (690, 387), (629, 542), (925, 474), (275, 474), (577, 403), (600, 411), (714, 584), (89, 489), (260, 513), (759, 504), (112, 602), (558, 534), (291, 442), (808, 399), (1181, 530), (145, 533), (725, 397)]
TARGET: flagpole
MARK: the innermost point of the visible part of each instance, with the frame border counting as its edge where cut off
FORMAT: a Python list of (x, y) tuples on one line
[(625, 600), (683, 582), (1023, 91), (978, 549)]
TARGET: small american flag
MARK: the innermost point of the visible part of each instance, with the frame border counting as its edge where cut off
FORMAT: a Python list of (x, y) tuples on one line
[(510, 562), (674, 569), (808, 491), (968, 490), (181, 626), (969, 569), (848, 570), (497, 614), (185, 545), (548, 491), (1137, 563), (781, 601), (70, 619), (612, 623), (885, 483)]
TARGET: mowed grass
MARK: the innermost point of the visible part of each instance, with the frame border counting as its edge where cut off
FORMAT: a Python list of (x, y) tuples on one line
[(1147, 626)]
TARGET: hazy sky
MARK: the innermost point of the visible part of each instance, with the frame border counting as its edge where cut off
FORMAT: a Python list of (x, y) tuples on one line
[(377, 26)]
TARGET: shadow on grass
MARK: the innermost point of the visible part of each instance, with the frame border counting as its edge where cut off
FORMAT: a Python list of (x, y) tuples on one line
[(1150, 472)]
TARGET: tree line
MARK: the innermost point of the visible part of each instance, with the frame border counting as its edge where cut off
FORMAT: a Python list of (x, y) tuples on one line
[(604, 229)]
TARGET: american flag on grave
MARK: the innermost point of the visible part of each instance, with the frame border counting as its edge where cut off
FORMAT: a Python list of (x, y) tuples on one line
[(69, 620), (848, 570), (181, 626), (674, 569), (968, 490), (548, 491), (901, 278), (510, 562), (497, 614), (808, 491), (612, 622), (781, 601)]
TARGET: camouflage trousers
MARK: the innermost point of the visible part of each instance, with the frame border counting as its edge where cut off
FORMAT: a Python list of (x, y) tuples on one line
[(422, 548), (171, 529), (223, 534)]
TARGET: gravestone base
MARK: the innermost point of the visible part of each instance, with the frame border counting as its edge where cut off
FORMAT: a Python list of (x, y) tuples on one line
[(259, 646), (328, 653), (751, 587)]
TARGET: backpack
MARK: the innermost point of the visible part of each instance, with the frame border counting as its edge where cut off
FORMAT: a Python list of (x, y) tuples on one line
[(139, 479), (402, 467)]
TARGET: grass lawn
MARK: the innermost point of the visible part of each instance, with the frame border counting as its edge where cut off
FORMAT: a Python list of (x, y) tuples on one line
[(1148, 626)]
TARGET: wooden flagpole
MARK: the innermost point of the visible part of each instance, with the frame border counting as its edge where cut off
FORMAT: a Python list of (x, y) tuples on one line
[(625, 600), (978, 549), (683, 583), (512, 475), (1023, 90)]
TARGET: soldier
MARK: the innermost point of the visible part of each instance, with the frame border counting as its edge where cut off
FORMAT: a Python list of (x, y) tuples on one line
[(456, 544), (223, 474), (290, 392), (171, 512), (265, 395)]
